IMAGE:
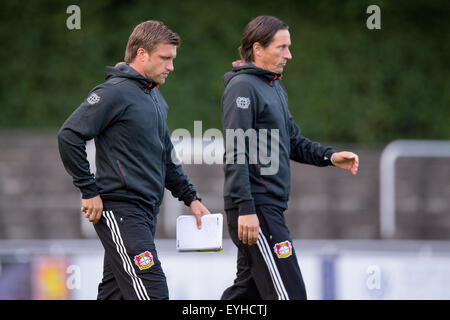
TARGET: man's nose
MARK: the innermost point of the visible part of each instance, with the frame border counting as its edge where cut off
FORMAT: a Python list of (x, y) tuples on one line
[(169, 66), (287, 54)]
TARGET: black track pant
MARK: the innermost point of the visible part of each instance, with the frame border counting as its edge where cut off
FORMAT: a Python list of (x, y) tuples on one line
[(269, 269), (131, 268)]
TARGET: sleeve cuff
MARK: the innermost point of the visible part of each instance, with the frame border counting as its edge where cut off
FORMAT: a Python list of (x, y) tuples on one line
[(247, 207), (327, 156), (191, 197), (89, 191)]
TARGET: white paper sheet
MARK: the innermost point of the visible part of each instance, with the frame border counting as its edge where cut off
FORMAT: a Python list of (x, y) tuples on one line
[(208, 238)]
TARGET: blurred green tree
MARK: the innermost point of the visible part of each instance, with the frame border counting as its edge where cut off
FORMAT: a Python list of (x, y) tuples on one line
[(346, 83)]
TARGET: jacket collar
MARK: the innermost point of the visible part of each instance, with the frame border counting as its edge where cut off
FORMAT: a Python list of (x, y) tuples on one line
[(242, 66), (124, 70)]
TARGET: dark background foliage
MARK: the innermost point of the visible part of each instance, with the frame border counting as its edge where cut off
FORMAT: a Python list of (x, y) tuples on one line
[(346, 83)]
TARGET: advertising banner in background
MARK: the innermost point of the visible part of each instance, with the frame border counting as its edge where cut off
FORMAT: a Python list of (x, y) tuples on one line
[(49, 278)]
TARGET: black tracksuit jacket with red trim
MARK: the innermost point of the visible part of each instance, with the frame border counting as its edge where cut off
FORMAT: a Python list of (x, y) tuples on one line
[(127, 117), (255, 98)]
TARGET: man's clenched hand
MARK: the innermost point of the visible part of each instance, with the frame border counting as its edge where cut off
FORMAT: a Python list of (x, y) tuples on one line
[(92, 208)]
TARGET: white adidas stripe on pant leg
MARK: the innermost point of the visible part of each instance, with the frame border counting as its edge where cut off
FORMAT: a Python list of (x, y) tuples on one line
[(264, 254), (127, 264), (271, 265), (138, 286), (115, 239)]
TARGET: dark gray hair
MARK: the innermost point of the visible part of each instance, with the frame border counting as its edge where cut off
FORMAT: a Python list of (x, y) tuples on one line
[(261, 29)]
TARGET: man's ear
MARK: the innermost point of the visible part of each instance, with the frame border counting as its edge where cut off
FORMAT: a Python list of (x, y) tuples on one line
[(140, 54), (257, 49)]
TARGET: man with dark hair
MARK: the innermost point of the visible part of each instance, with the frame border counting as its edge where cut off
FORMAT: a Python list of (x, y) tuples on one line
[(127, 117), (255, 200)]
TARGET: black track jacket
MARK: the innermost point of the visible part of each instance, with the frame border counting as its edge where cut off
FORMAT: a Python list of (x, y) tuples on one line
[(127, 117), (255, 98)]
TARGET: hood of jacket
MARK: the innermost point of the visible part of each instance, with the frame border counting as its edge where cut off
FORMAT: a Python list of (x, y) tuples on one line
[(245, 67), (124, 70)]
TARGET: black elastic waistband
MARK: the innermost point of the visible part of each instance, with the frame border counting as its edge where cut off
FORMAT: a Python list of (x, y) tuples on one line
[(264, 198), (259, 199), (128, 204)]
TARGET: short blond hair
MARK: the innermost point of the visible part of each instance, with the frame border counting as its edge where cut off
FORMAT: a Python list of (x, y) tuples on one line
[(148, 35)]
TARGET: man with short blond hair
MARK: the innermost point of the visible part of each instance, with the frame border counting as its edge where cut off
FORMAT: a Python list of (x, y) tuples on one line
[(126, 115), (148, 35)]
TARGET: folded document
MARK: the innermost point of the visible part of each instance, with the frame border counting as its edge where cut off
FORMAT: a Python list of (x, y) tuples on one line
[(208, 238)]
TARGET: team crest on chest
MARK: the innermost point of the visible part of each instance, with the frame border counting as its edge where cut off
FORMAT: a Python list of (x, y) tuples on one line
[(144, 260), (283, 249)]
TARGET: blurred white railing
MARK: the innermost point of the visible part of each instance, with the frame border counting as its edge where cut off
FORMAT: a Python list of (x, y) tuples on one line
[(394, 150)]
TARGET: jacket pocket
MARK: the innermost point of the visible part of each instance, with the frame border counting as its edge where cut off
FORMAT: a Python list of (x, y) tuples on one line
[(122, 173)]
